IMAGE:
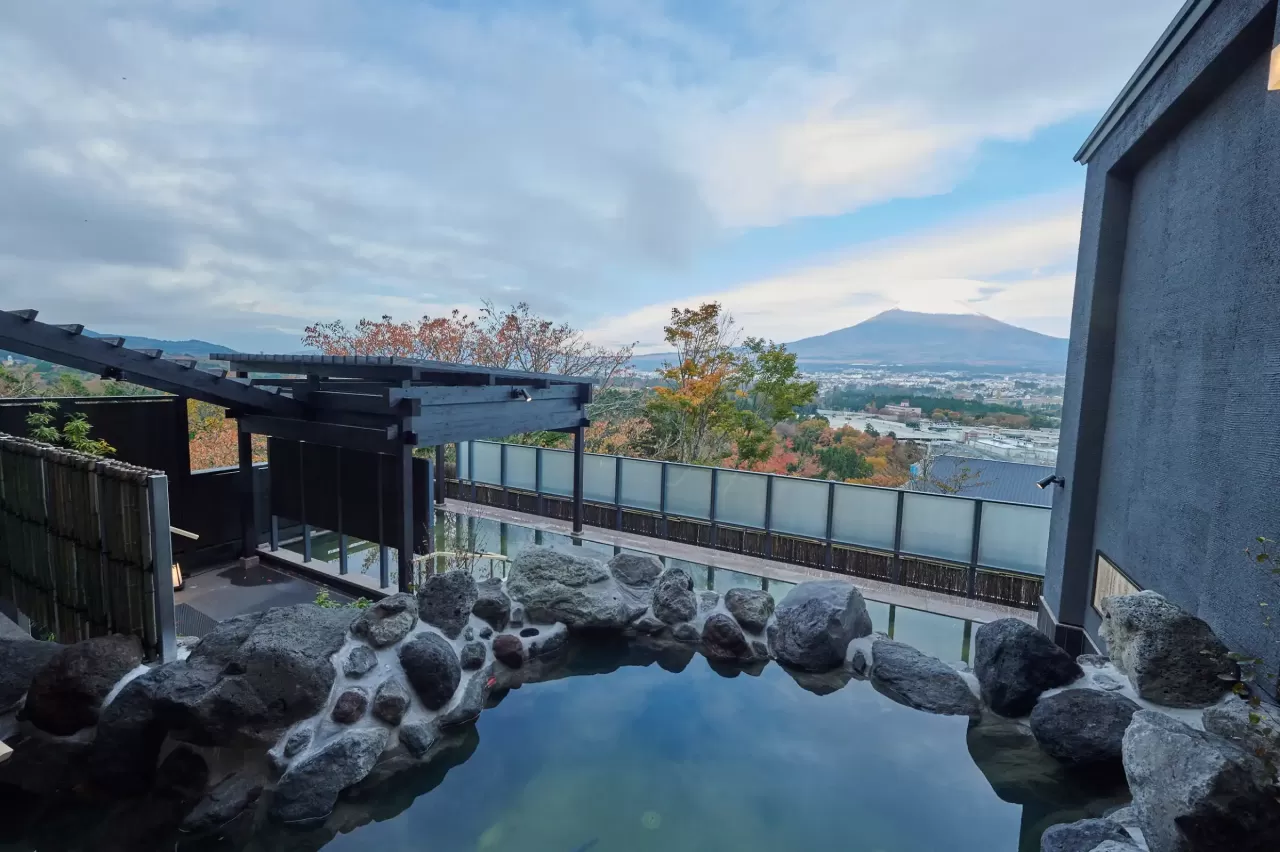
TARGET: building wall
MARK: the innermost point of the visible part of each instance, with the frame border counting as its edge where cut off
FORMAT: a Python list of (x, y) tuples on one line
[(1174, 368), (1189, 473)]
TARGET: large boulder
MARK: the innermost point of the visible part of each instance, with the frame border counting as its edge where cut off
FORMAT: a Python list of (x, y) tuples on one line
[(20, 659), (1171, 656), (492, 604), (1015, 663), (920, 681), (432, 667), (388, 621), (1194, 791), (1083, 727), (1256, 729), (67, 693), (722, 639), (225, 801), (131, 731), (673, 597), (751, 607), (360, 661), (554, 586), (254, 676), (635, 569), (815, 623), (310, 787), (445, 600), (390, 701), (1082, 836), (470, 702)]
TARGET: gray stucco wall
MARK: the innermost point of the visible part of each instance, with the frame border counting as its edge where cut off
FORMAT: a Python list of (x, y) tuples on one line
[(1191, 458)]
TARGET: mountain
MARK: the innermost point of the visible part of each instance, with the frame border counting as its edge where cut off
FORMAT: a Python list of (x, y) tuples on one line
[(198, 348), (919, 339)]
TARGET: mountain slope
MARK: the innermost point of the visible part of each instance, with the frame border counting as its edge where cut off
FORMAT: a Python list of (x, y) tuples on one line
[(920, 339), (198, 348)]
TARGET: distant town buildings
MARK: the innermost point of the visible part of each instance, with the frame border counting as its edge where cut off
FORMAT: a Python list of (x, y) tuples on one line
[(902, 412)]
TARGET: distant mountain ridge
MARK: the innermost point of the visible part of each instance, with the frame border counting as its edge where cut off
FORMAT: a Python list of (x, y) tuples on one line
[(911, 338), (197, 348)]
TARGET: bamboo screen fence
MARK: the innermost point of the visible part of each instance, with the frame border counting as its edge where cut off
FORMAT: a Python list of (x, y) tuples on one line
[(81, 539)]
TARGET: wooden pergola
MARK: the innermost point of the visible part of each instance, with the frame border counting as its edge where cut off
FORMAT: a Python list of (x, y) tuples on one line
[(383, 405)]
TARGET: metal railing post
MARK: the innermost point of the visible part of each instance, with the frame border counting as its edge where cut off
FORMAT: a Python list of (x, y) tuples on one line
[(537, 480), (972, 584), (502, 474), (156, 515), (471, 467), (895, 574), (275, 532), (831, 518), (617, 492), (302, 502), (768, 516), (715, 531), (438, 470), (342, 539), (662, 498)]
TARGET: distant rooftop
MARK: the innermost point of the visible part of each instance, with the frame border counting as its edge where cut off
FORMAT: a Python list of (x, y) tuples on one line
[(1011, 482)]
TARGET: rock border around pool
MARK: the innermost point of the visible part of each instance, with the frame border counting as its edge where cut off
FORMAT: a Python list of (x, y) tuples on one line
[(335, 699)]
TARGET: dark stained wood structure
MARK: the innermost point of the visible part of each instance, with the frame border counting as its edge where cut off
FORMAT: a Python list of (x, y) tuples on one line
[(368, 404)]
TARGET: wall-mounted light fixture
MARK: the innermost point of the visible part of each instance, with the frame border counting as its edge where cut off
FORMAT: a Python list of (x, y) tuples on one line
[(521, 393), (1051, 480)]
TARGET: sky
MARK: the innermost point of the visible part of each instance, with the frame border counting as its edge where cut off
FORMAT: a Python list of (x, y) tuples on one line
[(235, 171)]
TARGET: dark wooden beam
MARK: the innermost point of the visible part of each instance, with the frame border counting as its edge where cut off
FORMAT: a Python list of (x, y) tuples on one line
[(390, 369), (383, 441), (244, 485), (95, 355), (445, 424), (429, 396)]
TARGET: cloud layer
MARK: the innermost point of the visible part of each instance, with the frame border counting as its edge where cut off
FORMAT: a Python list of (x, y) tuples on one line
[(236, 169)]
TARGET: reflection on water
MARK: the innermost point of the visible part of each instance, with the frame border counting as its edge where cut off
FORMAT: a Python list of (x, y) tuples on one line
[(940, 636)]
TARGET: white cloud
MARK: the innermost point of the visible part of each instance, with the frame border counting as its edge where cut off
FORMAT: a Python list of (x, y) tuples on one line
[(227, 168), (1014, 263)]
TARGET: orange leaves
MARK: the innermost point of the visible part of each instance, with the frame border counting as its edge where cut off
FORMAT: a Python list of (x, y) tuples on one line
[(212, 438)]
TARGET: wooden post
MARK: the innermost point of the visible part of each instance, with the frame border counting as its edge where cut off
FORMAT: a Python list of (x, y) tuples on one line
[(579, 448)]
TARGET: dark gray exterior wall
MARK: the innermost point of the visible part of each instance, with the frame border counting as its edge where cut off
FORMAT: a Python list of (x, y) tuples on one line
[(1173, 381)]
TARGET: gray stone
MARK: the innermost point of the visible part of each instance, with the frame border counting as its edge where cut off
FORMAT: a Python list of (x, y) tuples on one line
[(388, 621), (350, 706), (310, 787), (722, 639), (517, 615), (1096, 661), (486, 632), (1116, 846), (67, 692), (509, 650), (1170, 656), (445, 600), (554, 586), (390, 701), (751, 607), (126, 745), (229, 798), (359, 662), (432, 667), (20, 659), (1015, 663), (417, 737), (183, 775), (707, 601), (297, 741), (473, 655), (493, 605), (1082, 836), (469, 634), (1082, 727), (815, 623), (635, 569), (649, 624), (859, 663), (548, 643), (1107, 682), (673, 597), (252, 678), (686, 632), (1194, 791), (920, 681), (470, 703), (1254, 729), (759, 650)]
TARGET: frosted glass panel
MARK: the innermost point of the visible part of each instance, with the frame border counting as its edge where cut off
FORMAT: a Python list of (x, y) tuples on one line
[(488, 462), (740, 498), (933, 634), (522, 467), (800, 506), (598, 477), (557, 472), (865, 516), (642, 484), (689, 491), (464, 470), (937, 526), (1015, 538)]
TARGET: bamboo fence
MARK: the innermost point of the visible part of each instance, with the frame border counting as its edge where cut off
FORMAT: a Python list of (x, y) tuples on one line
[(78, 541)]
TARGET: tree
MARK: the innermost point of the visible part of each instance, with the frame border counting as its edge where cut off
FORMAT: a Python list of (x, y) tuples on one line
[(511, 339), (871, 430), (843, 461), (73, 434), (755, 440), (774, 387), (19, 381)]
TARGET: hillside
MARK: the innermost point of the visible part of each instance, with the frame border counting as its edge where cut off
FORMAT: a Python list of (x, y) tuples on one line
[(920, 339), (199, 348)]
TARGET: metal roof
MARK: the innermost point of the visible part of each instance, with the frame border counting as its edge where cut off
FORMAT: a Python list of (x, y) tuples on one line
[(1009, 482), (1184, 23)]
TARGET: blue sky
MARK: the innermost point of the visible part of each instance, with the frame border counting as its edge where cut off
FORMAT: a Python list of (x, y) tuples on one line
[(237, 170)]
